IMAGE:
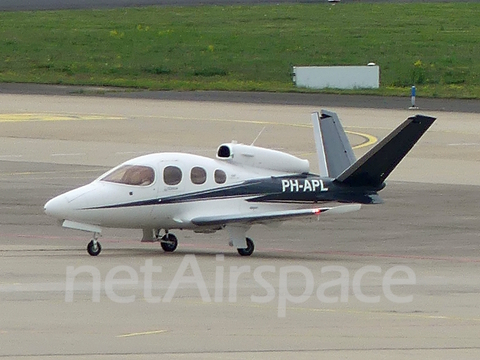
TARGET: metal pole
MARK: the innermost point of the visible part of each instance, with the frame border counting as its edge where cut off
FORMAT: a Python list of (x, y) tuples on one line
[(414, 91)]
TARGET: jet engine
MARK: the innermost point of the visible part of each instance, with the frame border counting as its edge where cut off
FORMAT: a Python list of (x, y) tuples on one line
[(258, 157)]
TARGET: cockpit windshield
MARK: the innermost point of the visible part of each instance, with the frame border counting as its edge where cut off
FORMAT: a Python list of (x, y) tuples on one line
[(132, 175)]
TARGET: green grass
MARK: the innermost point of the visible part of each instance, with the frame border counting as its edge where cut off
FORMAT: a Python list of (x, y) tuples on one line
[(433, 46)]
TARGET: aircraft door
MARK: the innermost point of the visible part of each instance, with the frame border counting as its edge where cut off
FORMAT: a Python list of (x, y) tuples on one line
[(172, 178)]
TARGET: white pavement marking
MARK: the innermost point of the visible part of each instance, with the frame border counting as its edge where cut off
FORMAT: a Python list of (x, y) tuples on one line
[(72, 154), (464, 144)]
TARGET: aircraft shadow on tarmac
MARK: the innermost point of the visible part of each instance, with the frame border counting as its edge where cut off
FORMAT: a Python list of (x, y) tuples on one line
[(128, 253)]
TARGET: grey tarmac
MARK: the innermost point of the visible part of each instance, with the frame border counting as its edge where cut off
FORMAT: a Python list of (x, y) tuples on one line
[(429, 224), (353, 101)]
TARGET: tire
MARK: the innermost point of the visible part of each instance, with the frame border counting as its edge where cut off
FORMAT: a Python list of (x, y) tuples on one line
[(169, 243), (249, 249), (92, 250)]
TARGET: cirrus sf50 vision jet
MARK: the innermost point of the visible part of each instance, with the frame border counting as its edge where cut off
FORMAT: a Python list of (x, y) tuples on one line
[(243, 186)]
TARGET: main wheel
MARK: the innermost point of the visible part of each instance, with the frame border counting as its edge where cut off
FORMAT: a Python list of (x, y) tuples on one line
[(249, 249), (94, 248), (169, 242)]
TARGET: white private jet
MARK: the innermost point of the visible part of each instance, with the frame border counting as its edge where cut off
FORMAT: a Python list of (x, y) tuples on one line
[(244, 185)]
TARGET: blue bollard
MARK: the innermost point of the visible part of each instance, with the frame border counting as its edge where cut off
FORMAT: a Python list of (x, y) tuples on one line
[(414, 91)]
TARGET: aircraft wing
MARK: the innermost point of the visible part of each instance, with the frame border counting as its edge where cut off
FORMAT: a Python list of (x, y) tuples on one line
[(262, 217)]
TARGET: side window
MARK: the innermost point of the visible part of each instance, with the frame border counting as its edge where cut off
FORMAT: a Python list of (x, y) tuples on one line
[(220, 176), (137, 175), (172, 175), (198, 175)]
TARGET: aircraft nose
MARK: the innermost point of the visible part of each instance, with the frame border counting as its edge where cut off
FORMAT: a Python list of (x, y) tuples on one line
[(56, 206)]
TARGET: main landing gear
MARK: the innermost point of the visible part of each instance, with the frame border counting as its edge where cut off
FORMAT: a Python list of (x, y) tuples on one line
[(94, 248), (169, 242), (249, 249)]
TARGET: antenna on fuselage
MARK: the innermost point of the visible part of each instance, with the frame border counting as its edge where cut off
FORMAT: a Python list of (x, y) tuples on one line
[(260, 133)]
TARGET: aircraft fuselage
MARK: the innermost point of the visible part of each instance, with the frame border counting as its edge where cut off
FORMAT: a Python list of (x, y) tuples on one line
[(162, 204)]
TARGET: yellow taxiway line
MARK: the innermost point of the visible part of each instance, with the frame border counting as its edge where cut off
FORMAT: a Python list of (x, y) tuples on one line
[(39, 117)]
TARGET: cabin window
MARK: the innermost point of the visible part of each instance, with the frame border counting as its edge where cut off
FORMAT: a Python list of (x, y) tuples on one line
[(220, 176), (198, 175), (172, 175), (132, 175)]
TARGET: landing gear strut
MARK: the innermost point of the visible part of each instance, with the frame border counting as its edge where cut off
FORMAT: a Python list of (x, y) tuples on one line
[(169, 242), (249, 249), (94, 248)]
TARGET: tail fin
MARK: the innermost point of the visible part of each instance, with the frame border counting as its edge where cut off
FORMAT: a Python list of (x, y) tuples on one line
[(334, 151), (373, 168)]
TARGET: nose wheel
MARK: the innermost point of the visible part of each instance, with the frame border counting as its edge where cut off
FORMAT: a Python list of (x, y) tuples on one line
[(94, 248), (249, 249), (169, 242)]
